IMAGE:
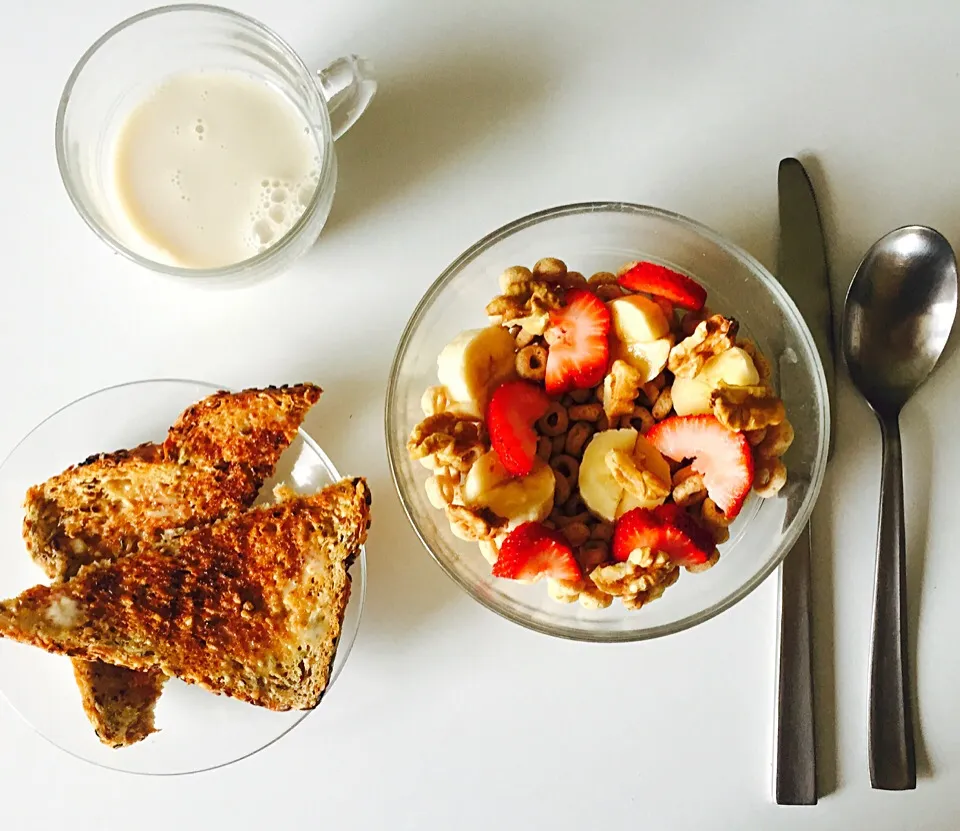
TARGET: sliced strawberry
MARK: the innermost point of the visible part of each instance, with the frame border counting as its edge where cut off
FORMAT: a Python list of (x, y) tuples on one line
[(639, 528), (721, 456), (579, 349), (683, 542), (532, 551), (673, 515), (513, 408), (665, 282)]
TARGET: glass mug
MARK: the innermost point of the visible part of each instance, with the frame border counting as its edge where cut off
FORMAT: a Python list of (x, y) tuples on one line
[(136, 56)]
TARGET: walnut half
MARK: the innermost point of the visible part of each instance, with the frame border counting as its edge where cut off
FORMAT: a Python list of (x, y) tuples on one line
[(640, 580), (620, 389), (712, 336), (527, 304), (644, 485), (746, 408), (473, 526), (454, 439), (643, 572)]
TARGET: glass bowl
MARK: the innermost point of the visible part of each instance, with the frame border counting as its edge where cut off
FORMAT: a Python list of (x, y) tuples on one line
[(601, 236), (196, 729)]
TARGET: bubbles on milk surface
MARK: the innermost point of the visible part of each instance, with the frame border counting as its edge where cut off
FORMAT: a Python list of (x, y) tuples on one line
[(177, 183), (279, 205)]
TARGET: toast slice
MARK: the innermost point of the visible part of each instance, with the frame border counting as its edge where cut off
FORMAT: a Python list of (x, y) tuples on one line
[(250, 606), (215, 458), (213, 462)]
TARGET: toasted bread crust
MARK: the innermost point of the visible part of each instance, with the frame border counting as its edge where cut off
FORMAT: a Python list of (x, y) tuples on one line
[(250, 606)]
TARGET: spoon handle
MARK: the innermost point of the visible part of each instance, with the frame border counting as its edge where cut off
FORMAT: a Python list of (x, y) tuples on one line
[(893, 764)]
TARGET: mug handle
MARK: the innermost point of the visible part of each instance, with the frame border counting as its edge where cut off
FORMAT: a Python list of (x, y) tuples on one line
[(348, 86)]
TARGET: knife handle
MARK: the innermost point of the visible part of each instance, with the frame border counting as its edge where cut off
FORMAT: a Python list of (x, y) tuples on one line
[(795, 752), (893, 765)]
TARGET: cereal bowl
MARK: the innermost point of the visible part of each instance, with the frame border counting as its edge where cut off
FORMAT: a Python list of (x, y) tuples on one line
[(600, 237)]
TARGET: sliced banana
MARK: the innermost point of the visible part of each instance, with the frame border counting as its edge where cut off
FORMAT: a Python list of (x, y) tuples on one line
[(733, 366), (598, 489), (475, 363), (691, 396), (517, 499), (485, 475), (649, 358), (641, 334), (637, 319)]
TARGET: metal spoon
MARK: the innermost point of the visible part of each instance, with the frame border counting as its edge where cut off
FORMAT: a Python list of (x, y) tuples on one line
[(897, 318)]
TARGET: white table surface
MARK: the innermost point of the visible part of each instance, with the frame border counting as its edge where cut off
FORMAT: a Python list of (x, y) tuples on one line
[(446, 716)]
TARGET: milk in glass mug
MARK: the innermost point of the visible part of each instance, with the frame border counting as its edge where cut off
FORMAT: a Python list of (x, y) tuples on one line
[(194, 140)]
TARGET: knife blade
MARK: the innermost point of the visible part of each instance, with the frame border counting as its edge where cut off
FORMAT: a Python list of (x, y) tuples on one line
[(802, 270), (802, 264)]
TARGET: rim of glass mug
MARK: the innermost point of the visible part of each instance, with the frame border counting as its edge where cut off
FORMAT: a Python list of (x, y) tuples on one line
[(327, 92)]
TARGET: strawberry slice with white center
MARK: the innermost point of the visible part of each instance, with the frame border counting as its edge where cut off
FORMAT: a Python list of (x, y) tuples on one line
[(532, 551), (672, 532), (511, 413), (578, 339), (721, 456), (665, 282)]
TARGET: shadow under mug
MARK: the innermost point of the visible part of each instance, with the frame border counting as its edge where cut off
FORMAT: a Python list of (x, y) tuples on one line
[(136, 56)]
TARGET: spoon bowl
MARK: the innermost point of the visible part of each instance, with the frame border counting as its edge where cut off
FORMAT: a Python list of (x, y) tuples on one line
[(899, 312), (898, 315)]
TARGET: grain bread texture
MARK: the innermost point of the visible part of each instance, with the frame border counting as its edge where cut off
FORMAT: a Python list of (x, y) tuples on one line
[(250, 606), (212, 463), (214, 459), (119, 702)]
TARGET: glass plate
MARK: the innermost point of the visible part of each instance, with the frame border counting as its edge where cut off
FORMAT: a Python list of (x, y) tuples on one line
[(197, 730)]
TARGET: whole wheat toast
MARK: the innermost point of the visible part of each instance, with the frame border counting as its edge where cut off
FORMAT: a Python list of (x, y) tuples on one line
[(215, 457), (213, 462), (250, 606)]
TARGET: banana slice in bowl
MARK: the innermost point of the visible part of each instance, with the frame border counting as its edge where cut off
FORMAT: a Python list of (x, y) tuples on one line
[(517, 499), (734, 367), (602, 486), (475, 363)]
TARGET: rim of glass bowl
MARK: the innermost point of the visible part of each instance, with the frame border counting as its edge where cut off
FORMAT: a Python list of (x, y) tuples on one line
[(397, 455), (355, 597), (324, 134)]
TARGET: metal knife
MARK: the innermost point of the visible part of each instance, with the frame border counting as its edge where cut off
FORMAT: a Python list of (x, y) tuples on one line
[(802, 270)]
